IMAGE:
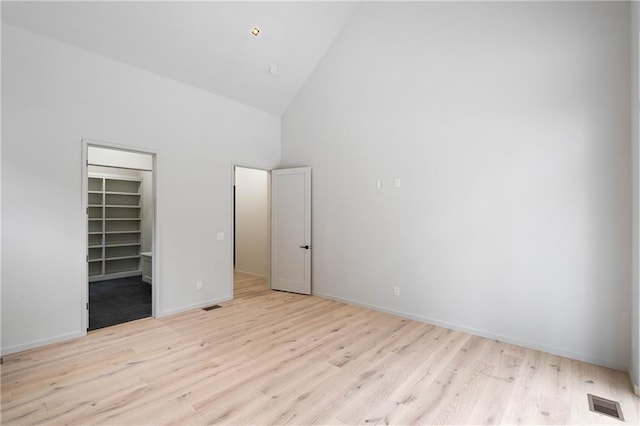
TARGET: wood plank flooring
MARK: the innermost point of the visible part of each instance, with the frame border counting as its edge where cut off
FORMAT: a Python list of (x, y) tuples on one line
[(277, 358)]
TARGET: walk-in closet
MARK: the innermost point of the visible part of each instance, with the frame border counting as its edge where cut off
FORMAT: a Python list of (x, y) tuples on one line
[(120, 235)]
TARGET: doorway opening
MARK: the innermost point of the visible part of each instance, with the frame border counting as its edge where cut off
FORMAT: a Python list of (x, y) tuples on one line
[(119, 193), (284, 256), (251, 223)]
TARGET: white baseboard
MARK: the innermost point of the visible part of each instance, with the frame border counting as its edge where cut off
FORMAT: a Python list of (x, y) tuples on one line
[(483, 333), (634, 384), (250, 273), (42, 342), (69, 336), (198, 305)]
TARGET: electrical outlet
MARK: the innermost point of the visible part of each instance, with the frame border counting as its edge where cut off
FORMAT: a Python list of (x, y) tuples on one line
[(396, 291), (198, 285)]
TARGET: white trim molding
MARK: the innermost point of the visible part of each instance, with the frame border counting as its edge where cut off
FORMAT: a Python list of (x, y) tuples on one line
[(42, 342), (482, 333), (199, 305)]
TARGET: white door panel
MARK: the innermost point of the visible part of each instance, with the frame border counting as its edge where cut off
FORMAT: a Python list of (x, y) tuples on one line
[(291, 230)]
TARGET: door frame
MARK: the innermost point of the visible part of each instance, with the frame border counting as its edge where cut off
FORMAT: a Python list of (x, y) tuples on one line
[(155, 243), (232, 227)]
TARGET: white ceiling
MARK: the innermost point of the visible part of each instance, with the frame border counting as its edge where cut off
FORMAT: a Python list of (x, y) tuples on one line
[(205, 44)]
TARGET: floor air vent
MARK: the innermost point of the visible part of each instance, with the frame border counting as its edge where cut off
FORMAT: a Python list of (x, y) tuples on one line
[(211, 308), (605, 406)]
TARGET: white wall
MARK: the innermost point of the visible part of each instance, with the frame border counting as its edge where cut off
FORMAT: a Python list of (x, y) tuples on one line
[(54, 95), (635, 143), (251, 221), (508, 125), (118, 158), (1, 186)]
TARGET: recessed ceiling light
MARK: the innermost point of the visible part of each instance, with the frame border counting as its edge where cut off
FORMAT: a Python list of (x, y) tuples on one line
[(255, 31)]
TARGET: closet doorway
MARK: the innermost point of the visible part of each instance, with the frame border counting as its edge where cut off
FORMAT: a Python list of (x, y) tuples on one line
[(120, 206), (251, 222)]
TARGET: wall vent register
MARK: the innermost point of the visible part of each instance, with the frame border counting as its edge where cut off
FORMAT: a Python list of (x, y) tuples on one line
[(605, 406), (211, 308)]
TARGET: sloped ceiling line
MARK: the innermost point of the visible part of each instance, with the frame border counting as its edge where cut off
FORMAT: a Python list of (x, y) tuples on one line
[(208, 45)]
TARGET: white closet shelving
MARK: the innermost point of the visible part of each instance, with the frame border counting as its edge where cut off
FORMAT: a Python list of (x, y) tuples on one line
[(114, 215)]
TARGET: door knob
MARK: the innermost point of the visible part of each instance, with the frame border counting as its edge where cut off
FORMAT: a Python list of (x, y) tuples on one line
[(305, 247)]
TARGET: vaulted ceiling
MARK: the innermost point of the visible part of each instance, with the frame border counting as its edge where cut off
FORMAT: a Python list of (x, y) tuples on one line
[(205, 44)]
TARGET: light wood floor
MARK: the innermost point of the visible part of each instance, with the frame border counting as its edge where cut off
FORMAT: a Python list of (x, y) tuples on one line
[(273, 358)]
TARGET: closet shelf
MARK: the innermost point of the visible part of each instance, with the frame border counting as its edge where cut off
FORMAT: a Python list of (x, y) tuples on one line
[(118, 243), (122, 257), (120, 232), (122, 193)]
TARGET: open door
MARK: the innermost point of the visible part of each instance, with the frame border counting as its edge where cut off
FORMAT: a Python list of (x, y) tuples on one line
[(291, 230)]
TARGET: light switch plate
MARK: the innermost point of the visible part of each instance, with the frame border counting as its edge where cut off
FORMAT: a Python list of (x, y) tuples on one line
[(220, 236)]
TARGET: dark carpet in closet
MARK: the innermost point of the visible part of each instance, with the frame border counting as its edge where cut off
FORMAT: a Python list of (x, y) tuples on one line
[(116, 301)]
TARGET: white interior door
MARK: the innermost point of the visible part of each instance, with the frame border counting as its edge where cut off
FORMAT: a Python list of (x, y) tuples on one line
[(291, 230)]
